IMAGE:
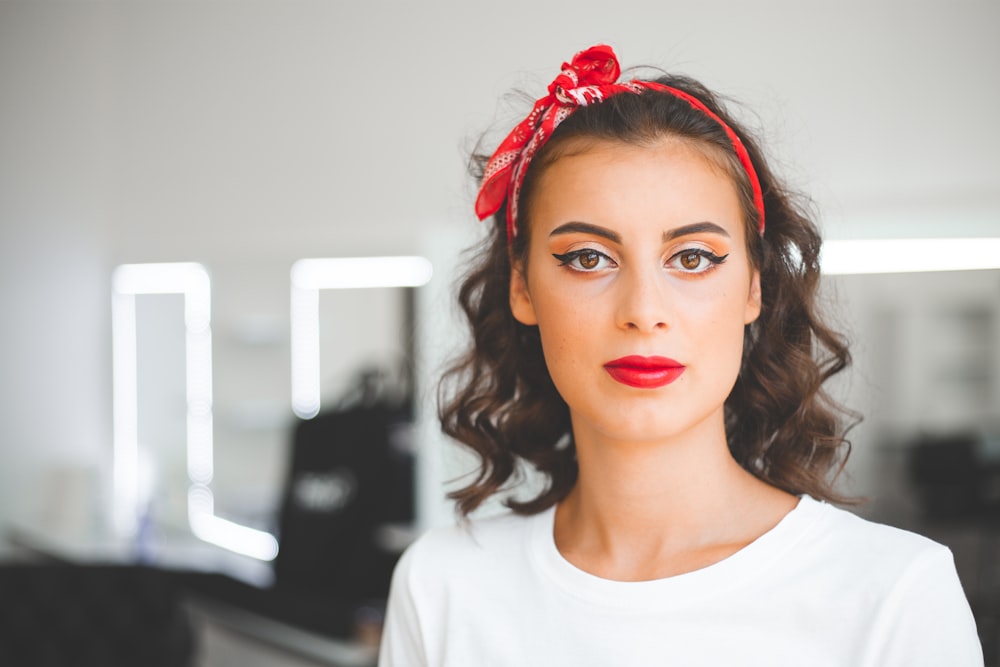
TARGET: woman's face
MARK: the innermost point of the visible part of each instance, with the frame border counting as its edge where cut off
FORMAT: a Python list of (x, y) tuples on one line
[(638, 277)]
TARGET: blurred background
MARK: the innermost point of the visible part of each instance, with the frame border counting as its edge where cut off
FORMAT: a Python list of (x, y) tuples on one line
[(240, 138)]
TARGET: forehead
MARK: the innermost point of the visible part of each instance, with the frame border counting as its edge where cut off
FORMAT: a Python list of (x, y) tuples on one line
[(670, 181), (580, 143)]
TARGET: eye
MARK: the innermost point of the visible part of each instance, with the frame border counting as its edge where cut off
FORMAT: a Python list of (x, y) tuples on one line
[(691, 260), (696, 260), (585, 260)]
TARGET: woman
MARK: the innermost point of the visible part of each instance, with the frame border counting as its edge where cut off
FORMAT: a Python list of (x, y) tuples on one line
[(645, 334)]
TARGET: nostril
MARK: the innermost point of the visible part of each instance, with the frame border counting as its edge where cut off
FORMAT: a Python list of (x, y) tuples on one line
[(637, 326)]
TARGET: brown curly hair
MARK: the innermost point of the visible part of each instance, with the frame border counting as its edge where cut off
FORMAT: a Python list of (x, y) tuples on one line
[(499, 401)]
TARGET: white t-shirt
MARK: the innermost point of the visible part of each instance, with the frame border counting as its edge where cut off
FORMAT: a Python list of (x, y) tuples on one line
[(823, 587)]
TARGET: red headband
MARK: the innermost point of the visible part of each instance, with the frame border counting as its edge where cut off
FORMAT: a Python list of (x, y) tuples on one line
[(589, 79)]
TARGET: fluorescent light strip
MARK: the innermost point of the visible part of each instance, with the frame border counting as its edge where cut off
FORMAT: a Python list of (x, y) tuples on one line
[(852, 257), (309, 276), (361, 272), (192, 281), (224, 533)]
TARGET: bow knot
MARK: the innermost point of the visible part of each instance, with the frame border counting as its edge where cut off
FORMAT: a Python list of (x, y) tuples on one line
[(578, 84), (597, 66), (591, 77)]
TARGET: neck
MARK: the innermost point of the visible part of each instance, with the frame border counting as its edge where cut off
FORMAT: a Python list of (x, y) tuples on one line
[(652, 509)]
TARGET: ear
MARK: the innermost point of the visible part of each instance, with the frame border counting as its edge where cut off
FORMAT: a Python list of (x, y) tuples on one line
[(520, 300), (752, 311)]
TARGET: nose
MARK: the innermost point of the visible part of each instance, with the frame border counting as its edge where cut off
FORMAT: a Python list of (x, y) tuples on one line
[(644, 302)]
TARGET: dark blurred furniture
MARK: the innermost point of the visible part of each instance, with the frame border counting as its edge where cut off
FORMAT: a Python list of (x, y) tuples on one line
[(953, 481), (58, 615), (958, 490), (350, 482), (346, 515)]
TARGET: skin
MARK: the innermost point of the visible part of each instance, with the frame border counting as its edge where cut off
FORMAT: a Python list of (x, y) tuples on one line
[(641, 230)]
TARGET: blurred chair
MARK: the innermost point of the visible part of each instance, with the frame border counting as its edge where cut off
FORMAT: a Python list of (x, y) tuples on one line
[(102, 616)]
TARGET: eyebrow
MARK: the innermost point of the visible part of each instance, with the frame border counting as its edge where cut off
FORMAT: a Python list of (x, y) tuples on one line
[(696, 228), (586, 228), (603, 232)]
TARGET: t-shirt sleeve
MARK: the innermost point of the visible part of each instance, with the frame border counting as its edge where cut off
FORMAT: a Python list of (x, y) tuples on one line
[(402, 641), (927, 620)]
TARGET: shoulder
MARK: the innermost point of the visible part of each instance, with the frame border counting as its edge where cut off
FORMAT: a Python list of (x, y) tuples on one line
[(474, 536), (841, 556), (905, 584), (448, 552), (858, 561), (845, 535), (442, 578)]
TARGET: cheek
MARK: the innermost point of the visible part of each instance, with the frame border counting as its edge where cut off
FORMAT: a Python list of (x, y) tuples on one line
[(718, 326), (565, 328), (560, 325), (720, 310)]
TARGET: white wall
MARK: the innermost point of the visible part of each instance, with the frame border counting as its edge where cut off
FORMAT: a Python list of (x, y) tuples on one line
[(55, 242), (254, 133)]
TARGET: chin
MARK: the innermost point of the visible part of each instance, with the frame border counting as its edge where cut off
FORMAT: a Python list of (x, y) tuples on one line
[(651, 423)]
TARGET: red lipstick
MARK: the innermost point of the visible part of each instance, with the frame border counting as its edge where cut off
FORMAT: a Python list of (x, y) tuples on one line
[(644, 372)]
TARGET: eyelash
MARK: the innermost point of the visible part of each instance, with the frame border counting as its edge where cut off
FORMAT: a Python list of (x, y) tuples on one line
[(713, 259), (575, 255), (568, 258)]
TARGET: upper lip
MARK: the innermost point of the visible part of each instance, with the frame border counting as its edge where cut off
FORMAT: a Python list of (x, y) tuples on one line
[(640, 362)]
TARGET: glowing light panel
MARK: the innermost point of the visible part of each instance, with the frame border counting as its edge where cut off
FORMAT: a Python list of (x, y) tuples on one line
[(192, 281), (308, 277), (909, 255), (224, 533)]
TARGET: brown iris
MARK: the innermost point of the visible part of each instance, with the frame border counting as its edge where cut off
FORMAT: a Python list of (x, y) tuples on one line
[(690, 260), (589, 260)]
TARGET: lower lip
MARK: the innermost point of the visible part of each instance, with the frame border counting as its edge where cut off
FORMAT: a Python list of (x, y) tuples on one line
[(644, 376)]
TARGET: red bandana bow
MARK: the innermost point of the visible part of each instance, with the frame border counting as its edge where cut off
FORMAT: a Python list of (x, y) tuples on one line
[(589, 79)]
